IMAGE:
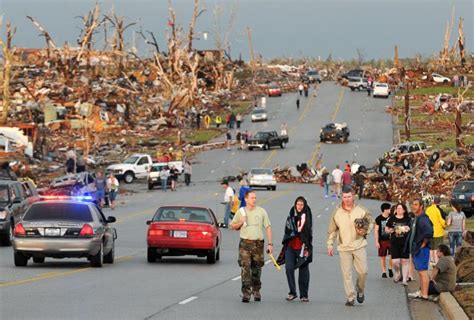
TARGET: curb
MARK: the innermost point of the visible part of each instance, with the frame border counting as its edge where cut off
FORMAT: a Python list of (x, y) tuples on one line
[(451, 307)]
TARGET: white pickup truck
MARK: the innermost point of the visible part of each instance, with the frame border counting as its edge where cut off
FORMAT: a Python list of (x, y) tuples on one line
[(135, 166)]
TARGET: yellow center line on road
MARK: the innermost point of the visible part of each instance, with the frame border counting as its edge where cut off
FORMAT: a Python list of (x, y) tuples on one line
[(54, 274), (317, 148), (278, 194)]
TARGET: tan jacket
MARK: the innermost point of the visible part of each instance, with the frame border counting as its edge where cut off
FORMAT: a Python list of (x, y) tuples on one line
[(341, 226)]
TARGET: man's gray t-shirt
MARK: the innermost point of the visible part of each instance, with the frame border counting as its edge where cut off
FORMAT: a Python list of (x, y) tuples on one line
[(446, 278), (457, 219)]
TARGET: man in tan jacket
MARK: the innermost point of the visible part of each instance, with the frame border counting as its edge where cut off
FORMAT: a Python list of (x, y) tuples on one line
[(351, 243)]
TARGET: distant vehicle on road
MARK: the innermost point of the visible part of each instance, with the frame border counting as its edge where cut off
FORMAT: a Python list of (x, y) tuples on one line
[(262, 177), (357, 84), (380, 90), (15, 198), (133, 167), (259, 114), (64, 229), (334, 132), (355, 73), (274, 90), (312, 76), (463, 195), (437, 78), (154, 175), (267, 139), (183, 230)]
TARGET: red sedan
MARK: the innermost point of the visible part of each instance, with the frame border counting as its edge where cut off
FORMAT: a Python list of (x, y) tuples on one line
[(274, 90), (179, 231)]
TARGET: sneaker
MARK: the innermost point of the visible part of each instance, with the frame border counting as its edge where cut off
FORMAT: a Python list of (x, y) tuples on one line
[(390, 273), (304, 299), (257, 297), (245, 299), (404, 283), (360, 296), (350, 303), (384, 275), (415, 294)]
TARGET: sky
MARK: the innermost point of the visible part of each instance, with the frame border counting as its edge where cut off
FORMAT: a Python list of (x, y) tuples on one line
[(280, 28)]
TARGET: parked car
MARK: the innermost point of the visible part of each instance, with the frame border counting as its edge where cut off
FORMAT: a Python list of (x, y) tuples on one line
[(267, 139), (463, 195), (80, 184), (274, 90), (133, 167), (259, 114), (437, 78), (183, 230), (355, 73), (408, 147), (64, 229), (357, 84), (312, 76), (334, 132), (380, 89), (15, 198), (263, 178)]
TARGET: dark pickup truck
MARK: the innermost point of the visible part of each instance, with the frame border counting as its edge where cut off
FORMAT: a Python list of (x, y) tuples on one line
[(15, 198), (266, 140)]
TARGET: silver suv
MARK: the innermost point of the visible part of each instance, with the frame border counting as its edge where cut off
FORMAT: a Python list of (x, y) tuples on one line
[(357, 84), (64, 229)]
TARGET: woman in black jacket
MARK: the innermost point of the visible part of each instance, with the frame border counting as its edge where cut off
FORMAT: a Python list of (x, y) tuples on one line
[(298, 248)]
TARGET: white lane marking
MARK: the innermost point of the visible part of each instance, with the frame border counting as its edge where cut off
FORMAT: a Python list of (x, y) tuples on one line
[(268, 261), (187, 300), (355, 154), (327, 209), (236, 278), (319, 216), (223, 161), (212, 171)]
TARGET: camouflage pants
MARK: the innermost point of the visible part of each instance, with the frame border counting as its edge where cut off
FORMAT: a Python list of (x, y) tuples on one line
[(251, 261)]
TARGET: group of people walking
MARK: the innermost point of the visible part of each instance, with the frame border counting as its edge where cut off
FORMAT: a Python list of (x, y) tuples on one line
[(406, 237)]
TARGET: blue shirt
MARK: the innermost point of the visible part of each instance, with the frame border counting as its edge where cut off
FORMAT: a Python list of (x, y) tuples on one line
[(423, 229), (242, 191)]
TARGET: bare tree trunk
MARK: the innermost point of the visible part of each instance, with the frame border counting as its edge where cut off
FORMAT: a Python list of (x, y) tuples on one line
[(407, 111), (458, 119), (192, 25), (10, 34), (7, 64), (462, 49), (49, 41)]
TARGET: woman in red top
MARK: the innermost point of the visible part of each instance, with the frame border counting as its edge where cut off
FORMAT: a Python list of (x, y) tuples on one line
[(298, 248)]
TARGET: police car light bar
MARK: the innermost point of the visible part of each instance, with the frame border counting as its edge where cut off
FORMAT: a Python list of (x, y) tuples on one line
[(78, 198)]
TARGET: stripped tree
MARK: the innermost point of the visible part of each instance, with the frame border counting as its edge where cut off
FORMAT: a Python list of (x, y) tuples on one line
[(461, 43), (458, 118), (7, 67), (47, 37)]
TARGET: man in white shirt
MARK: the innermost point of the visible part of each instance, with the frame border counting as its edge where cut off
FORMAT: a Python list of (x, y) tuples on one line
[(337, 179), (228, 199), (354, 167)]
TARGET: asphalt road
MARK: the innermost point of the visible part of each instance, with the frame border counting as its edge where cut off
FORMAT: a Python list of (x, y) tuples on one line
[(187, 287)]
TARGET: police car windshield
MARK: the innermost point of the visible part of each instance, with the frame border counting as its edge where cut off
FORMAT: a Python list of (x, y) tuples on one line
[(58, 211), (4, 194)]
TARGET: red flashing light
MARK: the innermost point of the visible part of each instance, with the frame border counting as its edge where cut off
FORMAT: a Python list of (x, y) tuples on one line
[(19, 230), (86, 231)]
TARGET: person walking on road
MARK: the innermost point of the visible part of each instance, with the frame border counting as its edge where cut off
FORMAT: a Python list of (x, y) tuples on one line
[(100, 186), (325, 182), (300, 89), (228, 137), (228, 199), (284, 129), (359, 180), (251, 220), (337, 179), (298, 104), (232, 120), (112, 186), (382, 239), (352, 244), (198, 120), (439, 224), (238, 118), (398, 226), (174, 177), (298, 248), (419, 244), (188, 171), (347, 178), (306, 90), (457, 228), (164, 175)]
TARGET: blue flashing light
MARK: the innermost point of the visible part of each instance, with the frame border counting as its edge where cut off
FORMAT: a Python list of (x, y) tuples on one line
[(77, 198)]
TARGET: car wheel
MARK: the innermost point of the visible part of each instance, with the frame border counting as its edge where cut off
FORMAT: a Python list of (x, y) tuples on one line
[(97, 260), (6, 239), (20, 259), (434, 156), (128, 177), (211, 256), (110, 257), (274, 188), (38, 259), (250, 148), (450, 166), (283, 144), (151, 255), (445, 81), (361, 88), (461, 167), (406, 164), (218, 255), (383, 170), (266, 146), (150, 186), (352, 89)]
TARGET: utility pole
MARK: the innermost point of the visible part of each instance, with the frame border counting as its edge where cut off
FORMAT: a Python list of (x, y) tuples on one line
[(252, 55)]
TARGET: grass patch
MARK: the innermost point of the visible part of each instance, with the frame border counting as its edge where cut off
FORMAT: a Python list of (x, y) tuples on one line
[(239, 106), (201, 136), (437, 90)]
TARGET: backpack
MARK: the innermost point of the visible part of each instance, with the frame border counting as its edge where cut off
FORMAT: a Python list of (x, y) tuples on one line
[(235, 204)]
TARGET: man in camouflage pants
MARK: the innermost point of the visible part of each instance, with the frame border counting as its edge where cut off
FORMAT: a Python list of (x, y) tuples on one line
[(251, 220)]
